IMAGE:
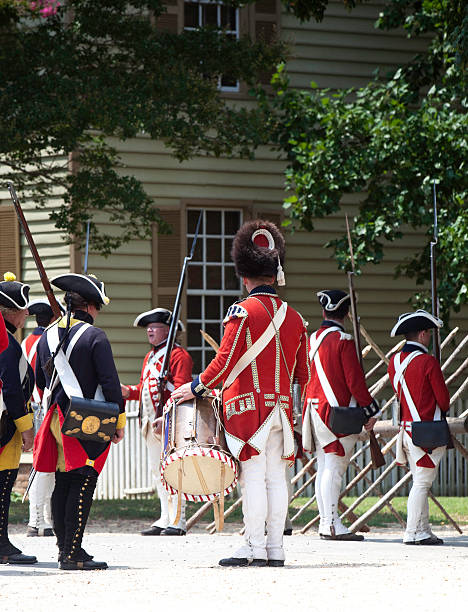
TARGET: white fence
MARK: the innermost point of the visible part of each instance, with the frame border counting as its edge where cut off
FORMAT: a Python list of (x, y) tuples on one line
[(127, 468)]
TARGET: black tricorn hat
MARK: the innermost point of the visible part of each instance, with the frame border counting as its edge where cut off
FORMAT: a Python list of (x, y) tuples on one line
[(42, 307), (157, 315), (415, 321), (13, 294), (258, 249), (86, 285), (332, 299)]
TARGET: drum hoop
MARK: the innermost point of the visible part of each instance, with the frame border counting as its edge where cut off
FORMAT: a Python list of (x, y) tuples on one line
[(203, 452)]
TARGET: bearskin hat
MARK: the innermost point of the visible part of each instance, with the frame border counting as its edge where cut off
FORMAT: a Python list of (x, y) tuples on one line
[(258, 249)]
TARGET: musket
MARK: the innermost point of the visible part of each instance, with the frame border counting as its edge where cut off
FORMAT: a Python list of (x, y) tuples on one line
[(435, 301), (164, 372), (378, 459), (85, 267), (40, 268)]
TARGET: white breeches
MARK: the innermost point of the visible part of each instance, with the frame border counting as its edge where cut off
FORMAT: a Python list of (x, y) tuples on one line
[(39, 500), (330, 472), (417, 524), (265, 498), (168, 502)]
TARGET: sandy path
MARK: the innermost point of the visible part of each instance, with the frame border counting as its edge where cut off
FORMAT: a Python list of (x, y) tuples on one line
[(182, 573)]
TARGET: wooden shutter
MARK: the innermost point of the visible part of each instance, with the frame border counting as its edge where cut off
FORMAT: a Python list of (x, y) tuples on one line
[(9, 243), (266, 26), (167, 260), (170, 20)]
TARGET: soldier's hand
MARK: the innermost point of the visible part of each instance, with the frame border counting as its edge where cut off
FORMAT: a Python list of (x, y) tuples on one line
[(28, 439), (370, 424), (125, 391), (118, 436), (183, 393), (157, 426)]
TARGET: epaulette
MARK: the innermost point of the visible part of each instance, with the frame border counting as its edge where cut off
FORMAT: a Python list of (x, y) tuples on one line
[(345, 336), (235, 312)]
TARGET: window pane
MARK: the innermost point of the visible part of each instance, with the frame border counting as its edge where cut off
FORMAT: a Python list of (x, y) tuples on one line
[(227, 250), (194, 307), (213, 277), (194, 337), (198, 252), (192, 220), (210, 14), (231, 281), (191, 15), (195, 277), (228, 17), (212, 307), (231, 222), (213, 330), (197, 362), (228, 81), (213, 249), (213, 222)]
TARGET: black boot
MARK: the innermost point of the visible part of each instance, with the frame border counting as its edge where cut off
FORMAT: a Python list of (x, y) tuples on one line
[(8, 552), (79, 501), (58, 504)]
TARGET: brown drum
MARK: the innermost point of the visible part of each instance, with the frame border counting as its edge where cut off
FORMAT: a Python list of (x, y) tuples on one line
[(195, 458)]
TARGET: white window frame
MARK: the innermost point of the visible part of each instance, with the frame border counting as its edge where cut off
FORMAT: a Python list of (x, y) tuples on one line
[(233, 89), (206, 352)]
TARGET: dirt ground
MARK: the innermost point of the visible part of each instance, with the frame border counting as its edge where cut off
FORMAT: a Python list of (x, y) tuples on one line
[(182, 573)]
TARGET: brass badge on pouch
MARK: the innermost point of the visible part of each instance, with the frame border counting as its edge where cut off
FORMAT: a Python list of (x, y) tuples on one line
[(90, 425)]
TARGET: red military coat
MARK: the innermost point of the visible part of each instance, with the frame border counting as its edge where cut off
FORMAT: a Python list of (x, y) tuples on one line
[(180, 372), (29, 346), (426, 385), (267, 381), (338, 358)]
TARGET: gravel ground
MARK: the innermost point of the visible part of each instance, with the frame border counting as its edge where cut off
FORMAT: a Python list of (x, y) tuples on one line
[(183, 573)]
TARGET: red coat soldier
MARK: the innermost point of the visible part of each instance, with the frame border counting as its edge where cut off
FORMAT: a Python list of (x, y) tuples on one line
[(157, 322), (263, 350), (419, 384), (336, 379)]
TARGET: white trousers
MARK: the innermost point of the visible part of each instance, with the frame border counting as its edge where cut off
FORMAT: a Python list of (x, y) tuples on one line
[(168, 502), (330, 472), (40, 492), (265, 498), (417, 523)]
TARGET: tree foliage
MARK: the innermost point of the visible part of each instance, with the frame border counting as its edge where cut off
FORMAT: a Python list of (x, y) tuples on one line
[(74, 73), (390, 141)]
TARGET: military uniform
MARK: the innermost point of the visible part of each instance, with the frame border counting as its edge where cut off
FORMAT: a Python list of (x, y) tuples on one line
[(147, 393), (419, 384), (336, 379), (40, 491), (17, 379), (270, 337), (76, 463)]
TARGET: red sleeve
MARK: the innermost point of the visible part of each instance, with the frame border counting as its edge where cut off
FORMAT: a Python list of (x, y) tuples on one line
[(3, 334), (232, 347), (354, 375), (135, 390), (436, 378), (181, 367)]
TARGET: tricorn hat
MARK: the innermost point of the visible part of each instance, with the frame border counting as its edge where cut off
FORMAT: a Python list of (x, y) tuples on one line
[(13, 294), (157, 315), (415, 321), (258, 249), (42, 307), (86, 285), (332, 299)]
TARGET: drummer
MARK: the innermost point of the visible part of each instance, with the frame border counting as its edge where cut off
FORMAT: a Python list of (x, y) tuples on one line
[(157, 322), (264, 348)]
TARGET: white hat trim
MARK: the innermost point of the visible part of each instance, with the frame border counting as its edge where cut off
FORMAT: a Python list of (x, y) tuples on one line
[(329, 301), (410, 315), (149, 312), (264, 232), (15, 305), (104, 297)]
